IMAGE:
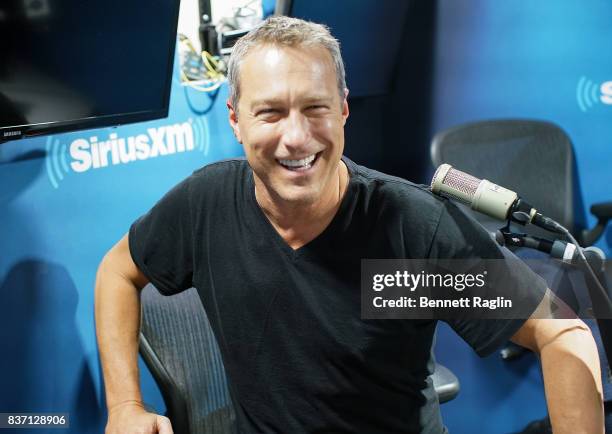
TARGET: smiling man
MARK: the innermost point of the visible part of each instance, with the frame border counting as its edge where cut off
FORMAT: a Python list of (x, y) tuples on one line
[(273, 245)]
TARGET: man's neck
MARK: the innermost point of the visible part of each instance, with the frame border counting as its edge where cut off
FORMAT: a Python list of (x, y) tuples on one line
[(298, 224)]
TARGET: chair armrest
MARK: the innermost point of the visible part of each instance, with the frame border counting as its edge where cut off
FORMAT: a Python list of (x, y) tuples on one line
[(445, 383), (603, 212)]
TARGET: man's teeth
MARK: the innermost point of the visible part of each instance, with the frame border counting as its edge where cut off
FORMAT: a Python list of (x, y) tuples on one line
[(298, 163)]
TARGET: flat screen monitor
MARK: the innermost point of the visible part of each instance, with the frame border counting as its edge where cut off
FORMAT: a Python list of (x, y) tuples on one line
[(76, 64)]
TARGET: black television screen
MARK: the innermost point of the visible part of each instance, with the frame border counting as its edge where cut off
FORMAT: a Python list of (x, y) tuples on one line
[(75, 64)]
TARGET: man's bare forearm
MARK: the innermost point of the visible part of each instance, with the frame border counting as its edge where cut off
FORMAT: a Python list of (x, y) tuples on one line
[(117, 310), (572, 380)]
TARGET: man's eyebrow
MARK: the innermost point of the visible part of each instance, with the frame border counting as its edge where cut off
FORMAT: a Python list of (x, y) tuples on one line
[(266, 101), (277, 101), (319, 99)]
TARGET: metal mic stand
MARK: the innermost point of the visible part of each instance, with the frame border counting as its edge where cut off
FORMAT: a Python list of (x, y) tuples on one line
[(592, 266)]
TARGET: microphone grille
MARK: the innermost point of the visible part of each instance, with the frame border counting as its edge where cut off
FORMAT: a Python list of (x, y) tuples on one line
[(461, 181), (455, 184)]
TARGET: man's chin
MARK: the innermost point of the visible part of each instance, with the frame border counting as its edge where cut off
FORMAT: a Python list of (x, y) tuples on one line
[(298, 196)]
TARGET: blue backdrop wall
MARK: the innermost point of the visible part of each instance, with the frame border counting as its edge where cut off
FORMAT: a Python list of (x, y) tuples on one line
[(549, 60), (64, 201)]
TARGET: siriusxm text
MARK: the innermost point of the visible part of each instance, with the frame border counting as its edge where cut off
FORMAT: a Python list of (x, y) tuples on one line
[(166, 140)]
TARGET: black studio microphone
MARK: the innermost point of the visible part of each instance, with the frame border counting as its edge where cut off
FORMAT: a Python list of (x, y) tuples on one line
[(488, 198)]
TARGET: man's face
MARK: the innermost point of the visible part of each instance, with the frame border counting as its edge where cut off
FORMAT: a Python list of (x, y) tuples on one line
[(290, 120)]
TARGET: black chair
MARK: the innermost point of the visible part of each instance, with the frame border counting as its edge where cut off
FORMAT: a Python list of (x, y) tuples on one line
[(180, 350)]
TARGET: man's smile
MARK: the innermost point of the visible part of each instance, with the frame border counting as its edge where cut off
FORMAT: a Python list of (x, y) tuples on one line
[(299, 165)]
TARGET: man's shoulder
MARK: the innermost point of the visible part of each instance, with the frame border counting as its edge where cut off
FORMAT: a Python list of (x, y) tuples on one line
[(219, 175), (395, 191), (229, 166), (213, 182)]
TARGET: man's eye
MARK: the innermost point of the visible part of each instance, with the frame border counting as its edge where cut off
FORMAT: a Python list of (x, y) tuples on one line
[(268, 114), (316, 110), (267, 111)]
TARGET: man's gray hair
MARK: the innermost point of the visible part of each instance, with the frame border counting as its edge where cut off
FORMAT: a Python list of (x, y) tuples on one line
[(287, 31)]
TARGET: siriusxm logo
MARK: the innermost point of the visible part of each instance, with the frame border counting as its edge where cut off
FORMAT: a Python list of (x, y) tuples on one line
[(93, 153), (589, 93)]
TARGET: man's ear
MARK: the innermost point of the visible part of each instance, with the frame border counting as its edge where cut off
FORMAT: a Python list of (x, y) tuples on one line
[(233, 120), (345, 107)]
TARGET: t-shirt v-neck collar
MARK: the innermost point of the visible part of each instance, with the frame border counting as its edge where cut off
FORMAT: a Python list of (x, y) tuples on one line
[(267, 226)]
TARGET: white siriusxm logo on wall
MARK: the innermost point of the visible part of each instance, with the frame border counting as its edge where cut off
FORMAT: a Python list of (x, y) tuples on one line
[(97, 153), (590, 93)]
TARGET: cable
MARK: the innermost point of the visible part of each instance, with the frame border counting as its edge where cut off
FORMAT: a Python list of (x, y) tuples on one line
[(208, 80), (196, 85), (212, 65)]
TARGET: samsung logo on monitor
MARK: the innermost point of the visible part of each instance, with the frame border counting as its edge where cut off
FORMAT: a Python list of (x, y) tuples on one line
[(11, 133)]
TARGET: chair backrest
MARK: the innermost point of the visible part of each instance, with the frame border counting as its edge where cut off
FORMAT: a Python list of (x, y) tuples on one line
[(180, 350), (533, 158)]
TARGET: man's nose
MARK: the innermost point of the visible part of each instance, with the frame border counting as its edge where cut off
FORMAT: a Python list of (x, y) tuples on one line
[(296, 131)]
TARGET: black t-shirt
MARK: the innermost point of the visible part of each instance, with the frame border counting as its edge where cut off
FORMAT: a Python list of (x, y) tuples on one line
[(297, 354)]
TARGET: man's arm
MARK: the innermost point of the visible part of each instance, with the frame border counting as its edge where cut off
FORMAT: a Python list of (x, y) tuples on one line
[(117, 310), (572, 377)]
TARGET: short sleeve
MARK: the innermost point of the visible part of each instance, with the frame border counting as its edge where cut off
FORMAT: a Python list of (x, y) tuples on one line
[(161, 242), (459, 236)]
